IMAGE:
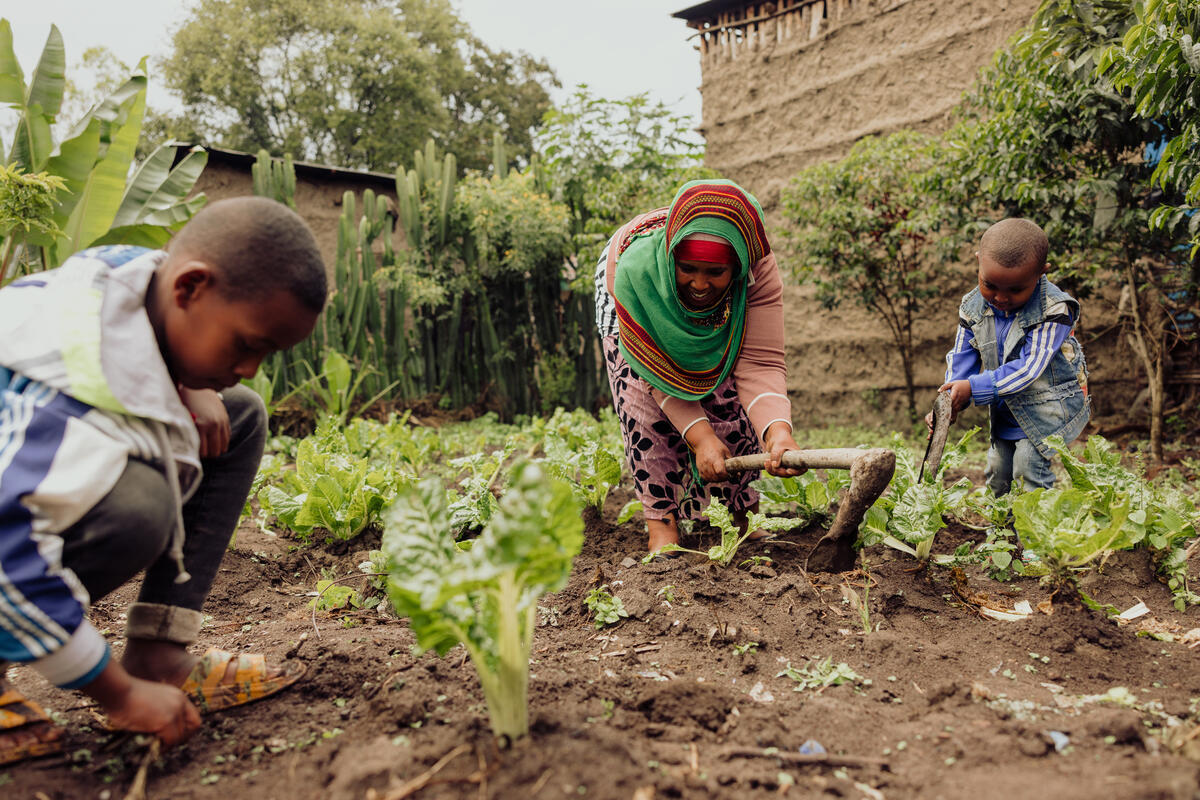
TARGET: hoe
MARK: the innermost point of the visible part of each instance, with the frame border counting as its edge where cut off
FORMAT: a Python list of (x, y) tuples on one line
[(870, 473)]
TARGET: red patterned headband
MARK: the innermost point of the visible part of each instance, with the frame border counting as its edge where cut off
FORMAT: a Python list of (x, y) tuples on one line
[(705, 252), (722, 200)]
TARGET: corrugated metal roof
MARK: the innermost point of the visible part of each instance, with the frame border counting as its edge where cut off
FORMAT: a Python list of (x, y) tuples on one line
[(707, 10), (303, 168)]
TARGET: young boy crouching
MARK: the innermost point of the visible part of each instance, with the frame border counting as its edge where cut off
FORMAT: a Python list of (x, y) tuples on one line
[(127, 443)]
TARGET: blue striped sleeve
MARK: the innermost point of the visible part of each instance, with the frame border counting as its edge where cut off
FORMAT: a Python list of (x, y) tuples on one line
[(40, 612), (963, 360), (1040, 345)]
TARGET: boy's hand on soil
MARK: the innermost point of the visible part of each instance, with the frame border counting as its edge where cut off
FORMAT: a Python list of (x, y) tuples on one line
[(142, 706), (211, 418), (156, 708)]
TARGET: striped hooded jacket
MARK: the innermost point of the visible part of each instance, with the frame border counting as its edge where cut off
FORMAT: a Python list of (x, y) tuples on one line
[(83, 388)]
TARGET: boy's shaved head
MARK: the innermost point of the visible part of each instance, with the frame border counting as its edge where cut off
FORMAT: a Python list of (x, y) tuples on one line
[(258, 246), (1015, 242)]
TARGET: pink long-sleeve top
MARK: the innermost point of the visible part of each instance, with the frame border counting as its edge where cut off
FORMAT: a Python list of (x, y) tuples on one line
[(759, 373)]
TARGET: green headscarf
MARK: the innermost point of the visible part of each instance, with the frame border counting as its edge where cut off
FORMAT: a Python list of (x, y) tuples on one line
[(682, 352)]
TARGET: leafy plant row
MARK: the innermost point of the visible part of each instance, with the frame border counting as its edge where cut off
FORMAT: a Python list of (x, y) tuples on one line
[(338, 481), (1103, 508)]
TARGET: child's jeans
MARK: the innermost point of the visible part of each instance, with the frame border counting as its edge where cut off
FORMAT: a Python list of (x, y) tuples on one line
[(1009, 460), (130, 530)]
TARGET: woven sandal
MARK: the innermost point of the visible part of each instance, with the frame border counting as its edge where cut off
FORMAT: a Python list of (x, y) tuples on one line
[(209, 690), (26, 730)]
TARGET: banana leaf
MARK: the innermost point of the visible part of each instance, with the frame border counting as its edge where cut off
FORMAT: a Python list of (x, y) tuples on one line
[(155, 229), (12, 80), (156, 187), (101, 197), (32, 141), (49, 78), (36, 105)]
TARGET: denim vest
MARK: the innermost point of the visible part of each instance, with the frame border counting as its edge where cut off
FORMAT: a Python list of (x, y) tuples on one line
[(1057, 401)]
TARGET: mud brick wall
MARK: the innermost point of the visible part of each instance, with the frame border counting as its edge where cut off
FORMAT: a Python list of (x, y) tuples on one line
[(319, 193), (805, 85)]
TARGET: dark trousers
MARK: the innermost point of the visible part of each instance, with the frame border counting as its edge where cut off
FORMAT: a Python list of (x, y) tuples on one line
[(130, 530)]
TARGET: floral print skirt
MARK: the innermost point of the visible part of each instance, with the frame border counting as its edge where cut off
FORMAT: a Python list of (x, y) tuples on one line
[(659, 458)]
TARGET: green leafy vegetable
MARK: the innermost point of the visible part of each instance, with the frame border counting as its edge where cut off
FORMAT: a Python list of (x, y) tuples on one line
[(605, 608), (1107, 507), (591, 469), (335, 597), (628, 511), (476, 504), (911, 513), (484, 597), (810, 496), (732, 534), (329, 489), (821, 674)]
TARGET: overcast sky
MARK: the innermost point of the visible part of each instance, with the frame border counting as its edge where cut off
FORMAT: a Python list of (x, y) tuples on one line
[(618, 47)]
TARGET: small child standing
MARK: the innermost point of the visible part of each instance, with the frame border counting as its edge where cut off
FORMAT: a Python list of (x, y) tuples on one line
[(126, 444), (1016, 352)]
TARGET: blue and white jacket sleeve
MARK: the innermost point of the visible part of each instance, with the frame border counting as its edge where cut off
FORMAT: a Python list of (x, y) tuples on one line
[(963, 360), (44, 462), (1041, 343)]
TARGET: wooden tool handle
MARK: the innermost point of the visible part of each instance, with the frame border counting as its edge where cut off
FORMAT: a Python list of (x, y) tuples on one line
[(833, 458)]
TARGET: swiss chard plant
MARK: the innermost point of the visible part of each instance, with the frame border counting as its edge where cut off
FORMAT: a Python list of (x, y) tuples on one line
[(732, 534), (330, 488), (997, 552), (589, 466), (473, 502), (909, 516), (1068, 531), (807, 494), (484, 597), (604, 606), (1106, 508)]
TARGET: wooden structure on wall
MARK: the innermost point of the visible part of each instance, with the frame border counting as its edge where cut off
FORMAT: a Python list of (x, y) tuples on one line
[(788, 83), (734, 29)]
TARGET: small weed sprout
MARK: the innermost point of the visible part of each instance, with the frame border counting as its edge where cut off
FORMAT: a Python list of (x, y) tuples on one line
[(860, 605), (732, 534), (606, 710), (667, 593), (744, 648), (606, 608), (821, 675)]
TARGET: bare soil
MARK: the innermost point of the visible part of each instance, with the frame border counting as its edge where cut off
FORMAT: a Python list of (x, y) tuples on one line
[(659, 705)]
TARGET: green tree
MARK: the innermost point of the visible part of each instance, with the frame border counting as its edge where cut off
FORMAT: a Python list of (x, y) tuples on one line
[(1157, 62), (609, 160), (499, 93), (95, 75), (862, 228), (357, 83), (1048, 139)]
